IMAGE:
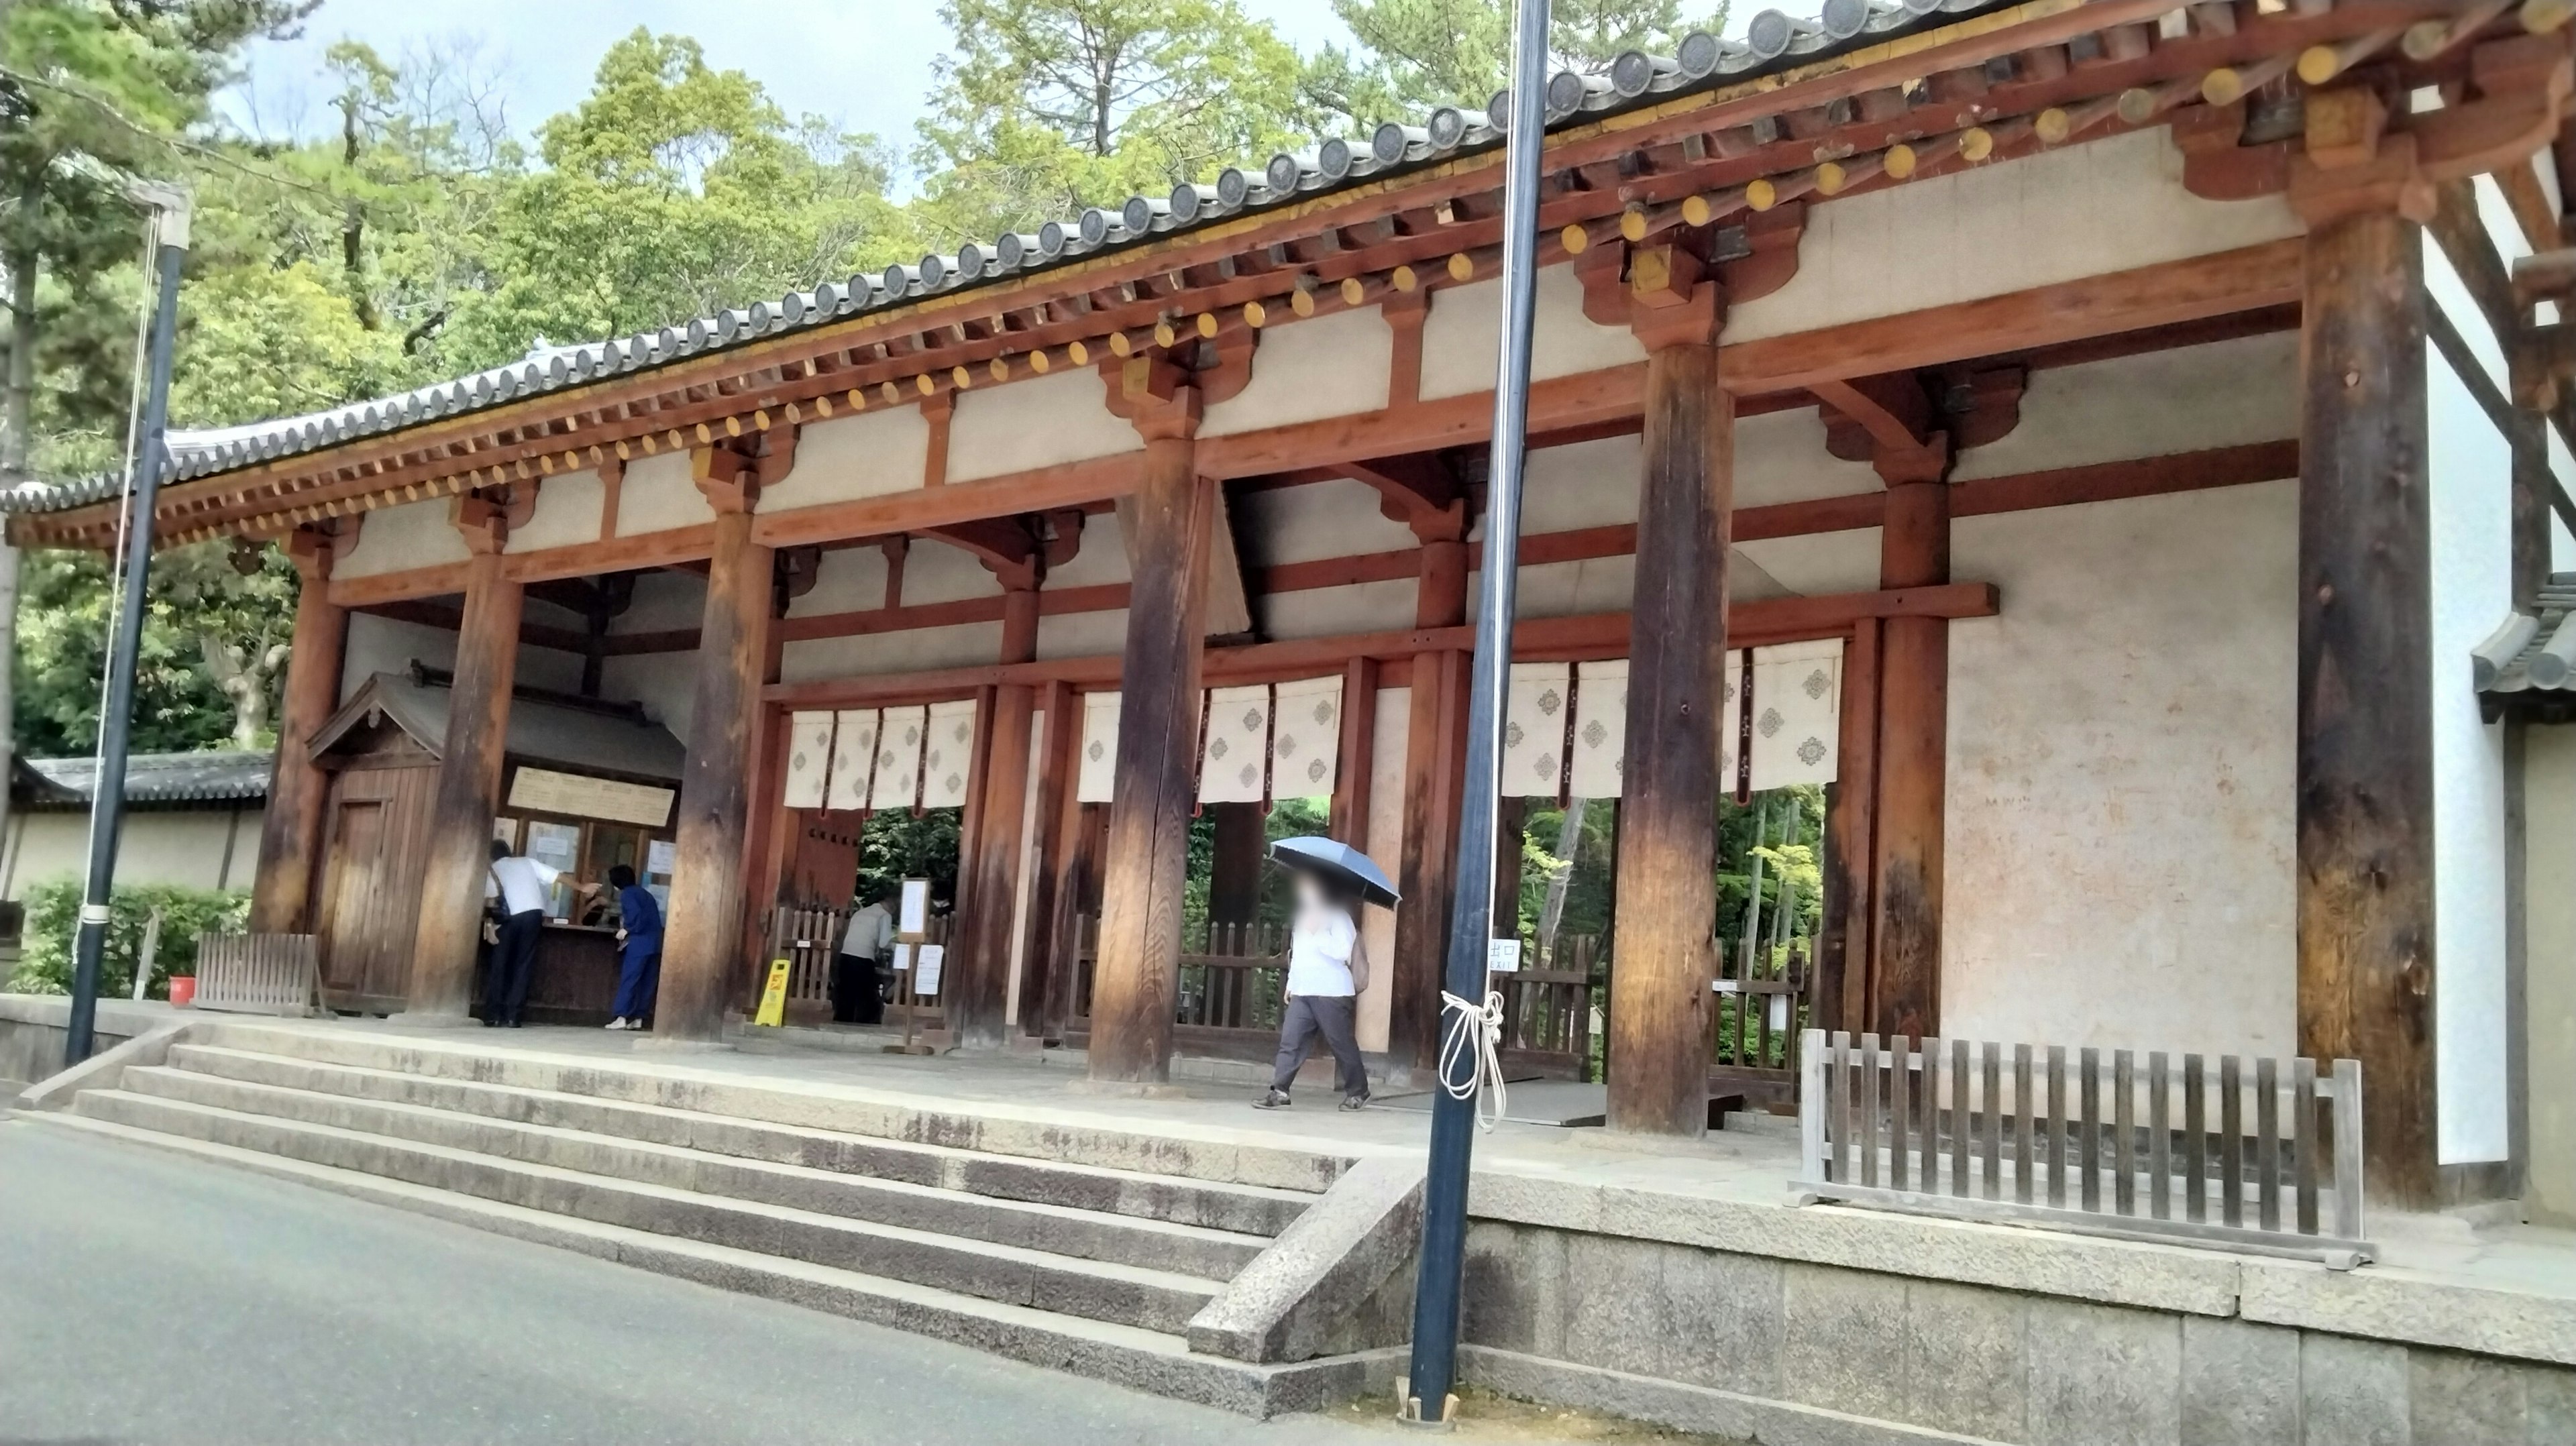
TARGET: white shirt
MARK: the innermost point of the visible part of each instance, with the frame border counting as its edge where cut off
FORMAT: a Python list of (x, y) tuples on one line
[(871, 929), (1319, 954), (521, 883)]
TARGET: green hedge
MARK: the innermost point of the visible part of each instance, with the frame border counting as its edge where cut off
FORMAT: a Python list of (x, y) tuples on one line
[(53, 913)]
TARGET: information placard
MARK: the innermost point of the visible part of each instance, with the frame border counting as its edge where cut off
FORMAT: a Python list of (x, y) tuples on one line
[(912, 911), (542, 790), (925, 978)]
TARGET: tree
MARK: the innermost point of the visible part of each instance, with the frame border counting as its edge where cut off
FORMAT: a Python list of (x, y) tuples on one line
[(1047, 106), (1415, 55)]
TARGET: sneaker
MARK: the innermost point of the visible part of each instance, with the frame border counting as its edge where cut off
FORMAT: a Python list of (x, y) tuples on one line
[(1272, 1100), (1355, 1102), (619, 1023)]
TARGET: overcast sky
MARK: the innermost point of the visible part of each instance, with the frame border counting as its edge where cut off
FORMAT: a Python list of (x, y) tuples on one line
[(863, 64)]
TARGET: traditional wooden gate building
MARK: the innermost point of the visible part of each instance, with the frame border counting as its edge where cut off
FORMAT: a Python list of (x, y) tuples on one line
[(2093, 420)]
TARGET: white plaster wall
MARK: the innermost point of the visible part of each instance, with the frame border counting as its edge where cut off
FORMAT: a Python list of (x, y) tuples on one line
[(158, 846), (1324, 612), (660, 493), (664, 601), (1083, 635), (408, 535), (1331, 366), (1826, 562), (2221, 394), (935, 572), (2562, 543), (1588, 484), (2120, 841), (567, 511), (849, 580), (665, 683), (2470, 544), (2060, 215), (1386, 850), (1462, 339), (1312, 522), (866, 455), (964, 646), (1102, 558), (2549, 1002), (1040, 422), (1781, 457), (388, 645)]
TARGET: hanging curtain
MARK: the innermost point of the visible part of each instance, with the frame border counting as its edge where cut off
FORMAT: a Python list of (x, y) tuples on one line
[(854, 758), (1539, 703), (1796, 713), (1306, 738), (809, 758), (1233, 762), (948, 754), (1730, 722), (1600, 730), (1096, 781), (898, 780)]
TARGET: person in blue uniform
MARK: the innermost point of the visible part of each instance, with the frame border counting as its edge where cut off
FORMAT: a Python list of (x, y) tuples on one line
[(639, 946)]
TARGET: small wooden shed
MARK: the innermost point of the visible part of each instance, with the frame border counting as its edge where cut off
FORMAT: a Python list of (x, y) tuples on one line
[(594, 782)]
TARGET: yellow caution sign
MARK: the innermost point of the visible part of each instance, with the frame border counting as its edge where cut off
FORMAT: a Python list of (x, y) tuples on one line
[(773, 998)]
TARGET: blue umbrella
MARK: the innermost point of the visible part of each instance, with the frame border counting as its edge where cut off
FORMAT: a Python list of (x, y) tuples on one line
[(1336, 860)]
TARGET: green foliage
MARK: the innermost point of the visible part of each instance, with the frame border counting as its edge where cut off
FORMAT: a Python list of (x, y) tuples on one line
[(1417, 54), (53, 916), (894, 846)]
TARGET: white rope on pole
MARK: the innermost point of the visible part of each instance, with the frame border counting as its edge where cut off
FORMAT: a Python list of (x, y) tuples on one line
[(1478, 1031)]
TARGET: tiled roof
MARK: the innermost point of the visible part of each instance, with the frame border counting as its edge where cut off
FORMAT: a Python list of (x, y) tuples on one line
[(2532, 657), (1773, 41), (223, 775)]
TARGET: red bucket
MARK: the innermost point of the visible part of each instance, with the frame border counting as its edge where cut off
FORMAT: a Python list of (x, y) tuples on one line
[(183, 990)]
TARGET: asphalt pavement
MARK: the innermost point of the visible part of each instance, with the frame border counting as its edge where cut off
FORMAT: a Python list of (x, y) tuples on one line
[(146, 1298)]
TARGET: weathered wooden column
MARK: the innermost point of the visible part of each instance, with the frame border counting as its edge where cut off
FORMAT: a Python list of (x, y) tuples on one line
[(978, 1003), (1435, 761), (290, 835), (1667, 900), (1353, 777), (1912, 764), (469, 777), (704, 927), (1138, 974), (1055, 815), (2365, 711)]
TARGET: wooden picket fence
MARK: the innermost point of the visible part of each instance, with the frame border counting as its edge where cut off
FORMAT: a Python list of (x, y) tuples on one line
[(1547, 1010), (256, 973), (808, 939), (2242, 1153)]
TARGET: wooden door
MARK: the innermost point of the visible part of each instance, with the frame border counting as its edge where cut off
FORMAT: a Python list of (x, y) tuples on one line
[(371, 879), (352, 875)]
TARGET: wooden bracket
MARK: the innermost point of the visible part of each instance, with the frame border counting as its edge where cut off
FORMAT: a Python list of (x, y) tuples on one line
[(1421, 490), (794, 571), (2216, 165), (484, 523), (1010, 548), (2357, 156), (311, 550)]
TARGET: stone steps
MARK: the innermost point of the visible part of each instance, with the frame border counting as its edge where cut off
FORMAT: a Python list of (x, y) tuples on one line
[(1250, 1210), (1085, 1234), (1155, 1300), (1126, 1355)]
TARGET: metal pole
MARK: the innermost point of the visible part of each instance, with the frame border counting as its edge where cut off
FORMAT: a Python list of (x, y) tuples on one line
[(1434, 1369), (107, 803)]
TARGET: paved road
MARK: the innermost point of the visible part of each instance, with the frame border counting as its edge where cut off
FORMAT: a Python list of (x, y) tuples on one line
[(149, 1299)]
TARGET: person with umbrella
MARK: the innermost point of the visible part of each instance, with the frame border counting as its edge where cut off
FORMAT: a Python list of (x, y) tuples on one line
[(1327, 964)]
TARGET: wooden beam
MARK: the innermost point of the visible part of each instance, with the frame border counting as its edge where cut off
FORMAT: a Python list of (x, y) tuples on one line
[(2367, 971), (1356, 763), (704, 934), (458, 854), (1044, 950), (291, 828), (1843, 947), (1660, 999), (1911, 761), (1434, 774)]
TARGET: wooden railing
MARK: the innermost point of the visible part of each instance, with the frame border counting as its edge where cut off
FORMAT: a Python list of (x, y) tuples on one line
[(1234, 979), (2233, 1152), (1547, 1011), (1758, 1025), (808, 938), (256, 973)]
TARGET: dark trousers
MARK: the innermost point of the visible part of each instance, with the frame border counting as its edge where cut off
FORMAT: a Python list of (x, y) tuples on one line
[(505, 989), (1331, 1016), (855, 992), (639, 975)]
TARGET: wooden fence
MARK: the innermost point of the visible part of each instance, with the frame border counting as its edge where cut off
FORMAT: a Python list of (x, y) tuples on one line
[(256, 973), (1547, 1011), (1946, 1127), (808, 939)]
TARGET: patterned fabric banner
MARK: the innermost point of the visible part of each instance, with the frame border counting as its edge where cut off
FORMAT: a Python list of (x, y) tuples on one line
[(854, 758), (1730, 724), (1797, 713), (948, 754), (1534, 718), (1306, 738), (809, 758), (1096, 780), (1600, 730), (898, 780), (1233, 766)]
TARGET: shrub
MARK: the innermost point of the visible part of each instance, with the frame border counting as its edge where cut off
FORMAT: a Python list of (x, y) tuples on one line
[(53, 914)]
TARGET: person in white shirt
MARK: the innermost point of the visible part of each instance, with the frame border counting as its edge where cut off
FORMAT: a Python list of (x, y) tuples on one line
[(1327, 969), (520, 885), (857, 989)]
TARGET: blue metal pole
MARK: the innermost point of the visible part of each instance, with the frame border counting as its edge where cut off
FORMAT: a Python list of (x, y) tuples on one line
[(107, 802), (1434, 1370)]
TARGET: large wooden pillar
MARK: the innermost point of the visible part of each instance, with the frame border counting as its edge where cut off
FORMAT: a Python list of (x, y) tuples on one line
[(1435, 761), (1912, 763), (1134, 985), (978, 1003), (704, 926), (459, 854), (290, 835), (1667, 902), (1048, 949), (2365, 741)]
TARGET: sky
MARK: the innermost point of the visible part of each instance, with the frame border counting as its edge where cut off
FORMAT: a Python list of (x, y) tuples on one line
[(862, 64)]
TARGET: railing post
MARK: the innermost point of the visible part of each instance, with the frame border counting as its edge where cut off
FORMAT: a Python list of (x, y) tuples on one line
[(2348, 1154), (1811, 1106)]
